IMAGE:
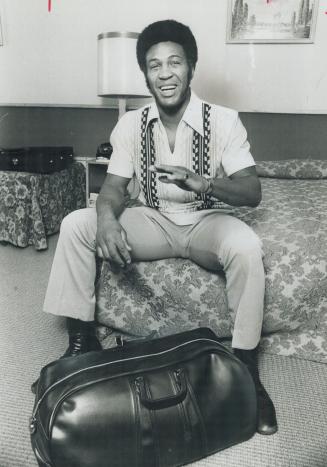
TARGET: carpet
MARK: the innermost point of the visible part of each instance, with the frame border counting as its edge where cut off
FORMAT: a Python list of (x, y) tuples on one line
[(29, 339)]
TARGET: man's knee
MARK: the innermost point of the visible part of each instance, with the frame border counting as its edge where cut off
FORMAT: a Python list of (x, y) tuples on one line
[(77, 221), (242, 248)]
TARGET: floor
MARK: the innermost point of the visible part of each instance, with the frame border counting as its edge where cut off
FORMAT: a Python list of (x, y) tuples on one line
[(29, 339)]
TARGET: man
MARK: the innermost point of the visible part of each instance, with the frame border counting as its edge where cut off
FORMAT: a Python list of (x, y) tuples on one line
[(193, 164)]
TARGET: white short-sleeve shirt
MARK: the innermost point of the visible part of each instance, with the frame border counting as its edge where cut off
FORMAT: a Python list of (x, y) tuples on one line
[(229, 152)]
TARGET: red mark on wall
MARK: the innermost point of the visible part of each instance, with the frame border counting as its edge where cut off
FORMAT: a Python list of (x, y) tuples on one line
[(49, 6)]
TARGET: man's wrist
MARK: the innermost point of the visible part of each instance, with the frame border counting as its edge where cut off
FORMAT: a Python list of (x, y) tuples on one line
[(208, 188)]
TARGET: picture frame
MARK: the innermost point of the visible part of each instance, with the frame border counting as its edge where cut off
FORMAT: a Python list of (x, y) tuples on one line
[(271, 21)]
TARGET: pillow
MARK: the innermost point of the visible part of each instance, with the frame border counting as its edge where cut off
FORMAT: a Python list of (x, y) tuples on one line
[(293, 168)]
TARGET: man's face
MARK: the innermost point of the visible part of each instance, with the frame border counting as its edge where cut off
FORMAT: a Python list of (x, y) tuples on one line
[(168, 75)]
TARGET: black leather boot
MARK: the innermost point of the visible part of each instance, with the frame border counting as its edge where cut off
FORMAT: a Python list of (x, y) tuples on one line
[(266, 414), (82, 338)]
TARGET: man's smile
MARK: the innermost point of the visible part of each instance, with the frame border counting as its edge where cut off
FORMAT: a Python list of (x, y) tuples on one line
[(168, 90)]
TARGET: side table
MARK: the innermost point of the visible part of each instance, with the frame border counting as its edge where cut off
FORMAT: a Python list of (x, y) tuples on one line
[(95, 174)]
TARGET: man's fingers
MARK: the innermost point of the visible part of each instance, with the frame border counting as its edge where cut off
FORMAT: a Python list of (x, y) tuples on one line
[(124, 254), (110, 252), (179, 177), (114, 248), (124, 248), (163, 168), (172, 172), (124, 237), (176, 178), (116, 257), (99, 252), (119, 253), (102, 251)]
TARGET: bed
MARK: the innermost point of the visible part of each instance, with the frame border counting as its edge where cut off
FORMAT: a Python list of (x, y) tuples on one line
[(162, 297)]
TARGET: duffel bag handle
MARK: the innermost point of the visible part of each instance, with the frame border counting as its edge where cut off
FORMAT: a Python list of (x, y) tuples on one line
[(162, 402)]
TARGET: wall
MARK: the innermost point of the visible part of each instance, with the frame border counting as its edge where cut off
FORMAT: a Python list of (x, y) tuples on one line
[(50, 58), (272, 136), (84, 129)]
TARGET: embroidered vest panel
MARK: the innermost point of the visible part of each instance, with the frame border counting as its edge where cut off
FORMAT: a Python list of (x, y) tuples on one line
[(200, 160), (148, 179)]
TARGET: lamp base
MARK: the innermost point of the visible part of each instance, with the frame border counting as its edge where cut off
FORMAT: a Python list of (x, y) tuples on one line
[(122, 105)]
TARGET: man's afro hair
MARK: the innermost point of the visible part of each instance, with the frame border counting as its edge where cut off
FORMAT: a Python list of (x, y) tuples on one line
[(164, 31)]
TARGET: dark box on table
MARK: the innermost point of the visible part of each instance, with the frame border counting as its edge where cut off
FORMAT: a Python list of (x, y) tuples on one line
[(36, 159)]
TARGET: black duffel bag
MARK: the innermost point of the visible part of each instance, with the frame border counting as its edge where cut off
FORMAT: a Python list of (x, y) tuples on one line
[(160, 402)]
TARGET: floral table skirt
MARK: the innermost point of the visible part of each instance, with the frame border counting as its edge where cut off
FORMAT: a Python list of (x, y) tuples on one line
[(32, 206)]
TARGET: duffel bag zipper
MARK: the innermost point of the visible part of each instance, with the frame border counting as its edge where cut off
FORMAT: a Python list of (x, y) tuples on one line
[(57, 383), (38, 455), (188, 426), (151, 415), (186, 421)]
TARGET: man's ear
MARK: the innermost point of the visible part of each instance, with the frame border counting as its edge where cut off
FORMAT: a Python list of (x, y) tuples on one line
[(191, 72), (147, 82)]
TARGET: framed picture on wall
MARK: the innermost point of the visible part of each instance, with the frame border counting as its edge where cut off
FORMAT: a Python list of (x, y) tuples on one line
[(265, 21)]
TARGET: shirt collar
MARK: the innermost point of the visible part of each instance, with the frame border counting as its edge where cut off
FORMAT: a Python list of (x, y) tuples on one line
[(192, 115)]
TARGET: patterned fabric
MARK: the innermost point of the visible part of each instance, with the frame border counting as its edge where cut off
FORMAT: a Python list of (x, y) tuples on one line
[(32, 206), (148, 158), (293, 168), (171, 295), (201, 159)]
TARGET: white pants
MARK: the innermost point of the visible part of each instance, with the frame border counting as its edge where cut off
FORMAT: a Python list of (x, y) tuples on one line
[(217, 241)]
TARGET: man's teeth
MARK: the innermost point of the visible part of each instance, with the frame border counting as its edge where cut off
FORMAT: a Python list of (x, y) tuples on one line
[(167, 88)]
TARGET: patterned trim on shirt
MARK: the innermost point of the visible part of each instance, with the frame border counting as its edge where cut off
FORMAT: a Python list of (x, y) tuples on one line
[(201, 159), (148, 179)]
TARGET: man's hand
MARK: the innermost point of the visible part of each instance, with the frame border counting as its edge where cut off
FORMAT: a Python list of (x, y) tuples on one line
[(181, 176), (242, 188), (111, 242)]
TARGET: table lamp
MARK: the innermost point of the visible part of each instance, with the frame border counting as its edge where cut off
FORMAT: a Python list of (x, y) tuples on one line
[(119, 75)]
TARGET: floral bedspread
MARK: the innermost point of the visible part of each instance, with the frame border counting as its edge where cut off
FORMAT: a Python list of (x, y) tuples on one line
[(168, 296), (32, 206)]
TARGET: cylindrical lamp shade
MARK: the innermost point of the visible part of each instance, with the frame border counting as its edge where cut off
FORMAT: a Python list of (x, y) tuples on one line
[(119, 74)]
